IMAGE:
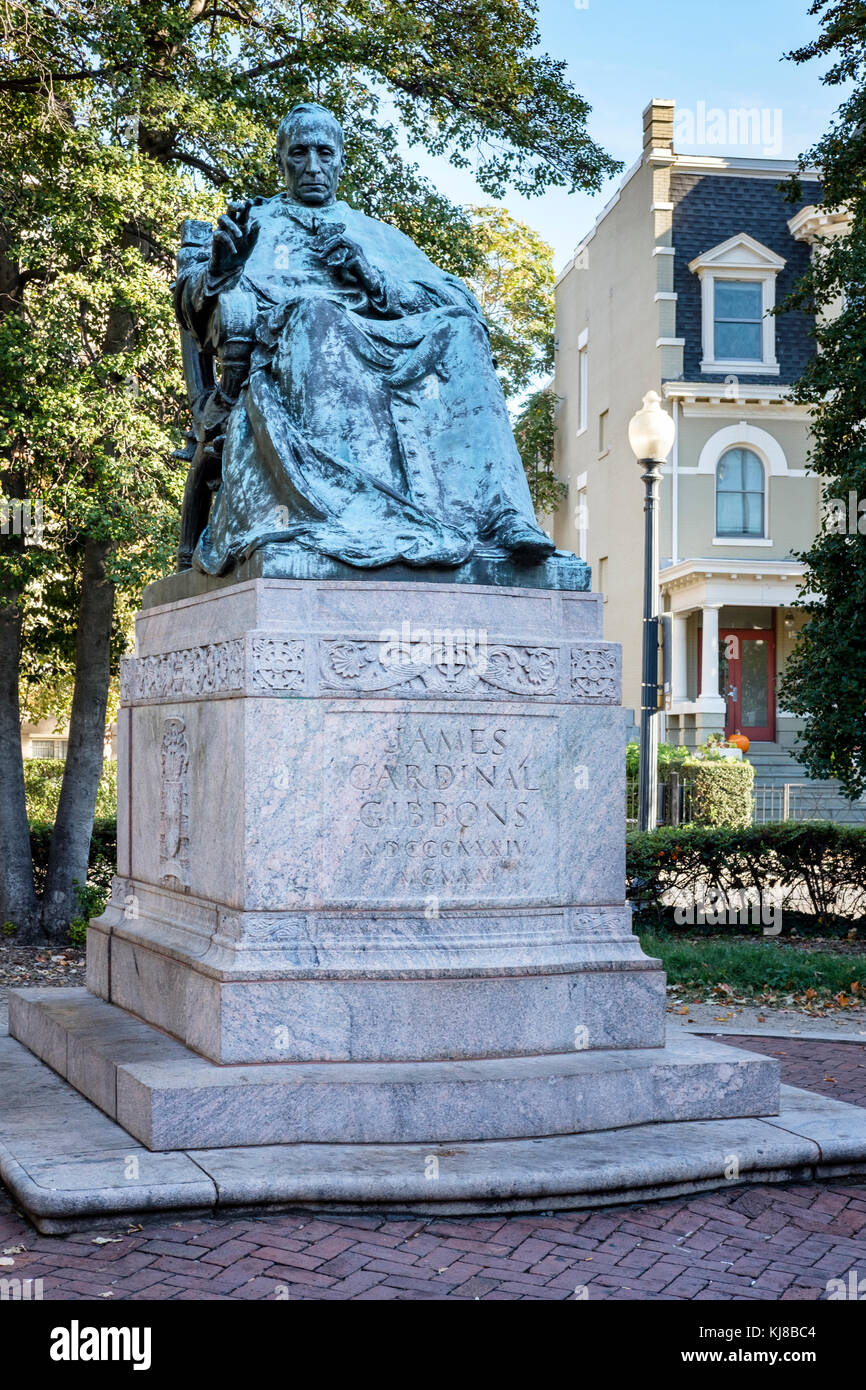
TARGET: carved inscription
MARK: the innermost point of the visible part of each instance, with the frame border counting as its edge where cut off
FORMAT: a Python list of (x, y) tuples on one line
[(174, 806), (442, 805)]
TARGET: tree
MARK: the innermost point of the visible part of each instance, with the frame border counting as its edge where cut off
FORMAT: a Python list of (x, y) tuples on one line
[(514, 286), (118, 119), (825, 679), (534, 431)]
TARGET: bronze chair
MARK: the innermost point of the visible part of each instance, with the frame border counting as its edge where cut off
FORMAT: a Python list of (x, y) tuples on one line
[(214, 373)]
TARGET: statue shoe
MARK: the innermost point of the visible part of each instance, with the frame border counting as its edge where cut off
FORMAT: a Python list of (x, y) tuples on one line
[(524, 539)]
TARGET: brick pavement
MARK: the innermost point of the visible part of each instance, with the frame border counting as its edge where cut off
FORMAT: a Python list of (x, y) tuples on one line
[(777, 1242)]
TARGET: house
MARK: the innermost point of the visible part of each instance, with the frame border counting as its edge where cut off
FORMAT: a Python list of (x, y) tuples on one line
[(48, 739), (673, 290)]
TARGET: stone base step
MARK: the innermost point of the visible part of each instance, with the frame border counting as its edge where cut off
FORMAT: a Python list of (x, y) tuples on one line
[(170, 1098), (70, 1167)]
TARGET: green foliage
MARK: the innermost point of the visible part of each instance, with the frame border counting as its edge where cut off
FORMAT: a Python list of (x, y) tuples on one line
[(721, 788), (91, 899), (754, 968), (721, 791), (42, 779), (534, 431), (671, 757), (814, 867), (514, 286), (103, 854), (119, 120), (825, 677)]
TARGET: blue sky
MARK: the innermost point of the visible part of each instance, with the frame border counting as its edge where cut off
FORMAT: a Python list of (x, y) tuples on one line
[(708, 56)]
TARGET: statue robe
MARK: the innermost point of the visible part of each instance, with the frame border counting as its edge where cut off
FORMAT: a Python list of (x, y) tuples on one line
[(372, 431)]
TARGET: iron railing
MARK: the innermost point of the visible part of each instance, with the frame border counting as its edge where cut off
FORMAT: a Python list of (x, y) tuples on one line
[(794, 801)]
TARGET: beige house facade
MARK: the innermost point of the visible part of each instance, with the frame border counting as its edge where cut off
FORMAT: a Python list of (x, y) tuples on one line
[(672, 290)]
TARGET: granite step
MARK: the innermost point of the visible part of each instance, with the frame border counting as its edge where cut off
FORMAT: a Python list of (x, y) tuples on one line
[(70, 1167), (169, 1097)]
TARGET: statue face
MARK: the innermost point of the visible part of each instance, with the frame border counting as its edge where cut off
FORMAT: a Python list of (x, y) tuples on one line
[(312, 161)]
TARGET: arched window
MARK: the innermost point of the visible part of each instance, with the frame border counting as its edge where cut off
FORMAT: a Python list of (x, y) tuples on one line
[(739, 494)]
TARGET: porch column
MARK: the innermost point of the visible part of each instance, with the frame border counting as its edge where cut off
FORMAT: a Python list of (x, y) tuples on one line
[(679, 658), (710, 699)]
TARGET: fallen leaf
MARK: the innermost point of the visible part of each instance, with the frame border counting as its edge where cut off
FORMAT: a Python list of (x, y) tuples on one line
[(106, 1240), (15, 1250)]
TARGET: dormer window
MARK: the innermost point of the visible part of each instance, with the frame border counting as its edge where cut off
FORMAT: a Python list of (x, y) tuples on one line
[(738, 318), (738, 282)]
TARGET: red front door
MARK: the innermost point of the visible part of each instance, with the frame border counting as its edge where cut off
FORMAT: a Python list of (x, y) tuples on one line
[(747, 664)]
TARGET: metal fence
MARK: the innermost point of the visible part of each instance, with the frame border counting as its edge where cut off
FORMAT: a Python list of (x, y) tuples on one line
[(795, 801), (674, 801), (806, 801)]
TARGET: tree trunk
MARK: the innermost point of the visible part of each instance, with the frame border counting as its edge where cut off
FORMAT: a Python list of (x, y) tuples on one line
[(70, 843), (17, 893), (18, 903)]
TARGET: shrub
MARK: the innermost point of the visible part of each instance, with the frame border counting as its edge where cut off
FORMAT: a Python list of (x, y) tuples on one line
[(670, 757), (721, 791), (816, 868), (93, 895), (42, 779)]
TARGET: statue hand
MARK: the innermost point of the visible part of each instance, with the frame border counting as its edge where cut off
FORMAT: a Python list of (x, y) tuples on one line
[(233, 240), (346, 258)]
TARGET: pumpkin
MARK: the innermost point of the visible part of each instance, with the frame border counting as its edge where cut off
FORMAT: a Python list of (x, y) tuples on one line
[(740, 741)]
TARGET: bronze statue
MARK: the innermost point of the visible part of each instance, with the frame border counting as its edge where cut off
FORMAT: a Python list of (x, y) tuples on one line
[(357, 411)]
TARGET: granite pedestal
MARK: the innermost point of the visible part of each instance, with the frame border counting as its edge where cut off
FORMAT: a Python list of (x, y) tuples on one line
[(370, 893)]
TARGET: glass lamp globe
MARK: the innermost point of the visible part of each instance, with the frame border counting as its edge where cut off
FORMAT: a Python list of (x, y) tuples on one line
[(651, 430)]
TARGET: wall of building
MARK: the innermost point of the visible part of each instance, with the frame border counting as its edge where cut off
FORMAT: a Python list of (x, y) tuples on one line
[(793, 502), (608, 292)]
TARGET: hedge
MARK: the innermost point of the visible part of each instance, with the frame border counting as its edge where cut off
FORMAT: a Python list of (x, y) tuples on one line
[(94, 894), (721, 791), (670, 757), (42, 779), (721, 788), (812, 868)]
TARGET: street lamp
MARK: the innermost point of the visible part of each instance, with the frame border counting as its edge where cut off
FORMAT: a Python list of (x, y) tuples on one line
[(651, 437)]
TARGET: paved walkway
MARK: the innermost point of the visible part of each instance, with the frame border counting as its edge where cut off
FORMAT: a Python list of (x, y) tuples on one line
[(776, 1242)]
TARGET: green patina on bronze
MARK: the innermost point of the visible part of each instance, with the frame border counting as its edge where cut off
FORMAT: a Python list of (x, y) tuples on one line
[(357, 414)]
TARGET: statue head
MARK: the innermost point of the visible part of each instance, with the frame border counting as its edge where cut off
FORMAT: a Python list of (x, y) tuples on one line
[(310, 153)]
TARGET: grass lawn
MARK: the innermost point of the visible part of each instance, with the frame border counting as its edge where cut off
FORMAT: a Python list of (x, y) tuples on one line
[(766, 972)]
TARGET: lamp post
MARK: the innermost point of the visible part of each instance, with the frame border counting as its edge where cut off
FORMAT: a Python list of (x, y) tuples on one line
[(651, 437)]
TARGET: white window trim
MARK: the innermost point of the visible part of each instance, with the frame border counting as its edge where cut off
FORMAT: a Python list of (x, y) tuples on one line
[(735, 541), (582, 517), (582, 381), (739, 258), (745, 436)]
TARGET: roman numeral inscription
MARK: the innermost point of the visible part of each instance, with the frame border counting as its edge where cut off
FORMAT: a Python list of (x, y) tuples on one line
[(459, 806)]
